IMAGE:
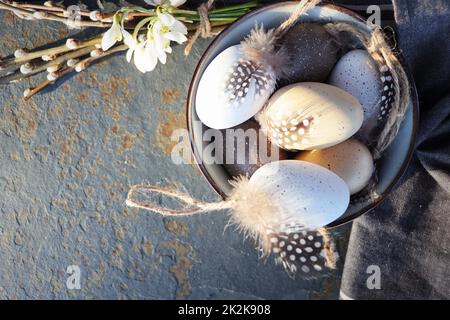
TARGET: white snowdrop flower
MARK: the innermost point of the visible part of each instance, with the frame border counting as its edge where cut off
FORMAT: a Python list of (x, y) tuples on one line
[(165, 30), (145, 57), (131, 43), (113, 35)]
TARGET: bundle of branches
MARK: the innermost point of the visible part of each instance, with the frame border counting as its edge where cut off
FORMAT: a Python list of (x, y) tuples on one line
[(146, 32)]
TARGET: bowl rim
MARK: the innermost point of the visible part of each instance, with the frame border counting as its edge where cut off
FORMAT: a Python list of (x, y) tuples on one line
[(414, 105)]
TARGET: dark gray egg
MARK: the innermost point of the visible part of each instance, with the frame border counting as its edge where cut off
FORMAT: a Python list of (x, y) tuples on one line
[(246, 148), (312, 51)]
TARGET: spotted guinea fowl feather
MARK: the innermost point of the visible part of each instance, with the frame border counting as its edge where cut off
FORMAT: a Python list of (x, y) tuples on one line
[(239, 80), (263, 62), (300, 251), (388, 95)]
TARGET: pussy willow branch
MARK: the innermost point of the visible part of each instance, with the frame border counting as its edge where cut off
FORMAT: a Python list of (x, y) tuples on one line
[(54, 13), (79, 67), (50, 51), (49, 15), (44, 66), (25, 64), (28, 93)]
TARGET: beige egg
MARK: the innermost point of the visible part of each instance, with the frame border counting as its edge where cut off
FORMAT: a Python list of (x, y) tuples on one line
[(351, 160), (310, 115)]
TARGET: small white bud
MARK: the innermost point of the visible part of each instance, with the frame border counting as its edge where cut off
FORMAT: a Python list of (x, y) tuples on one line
[(39, 15), (48, 57), (26, 68), (25, 16), (72, 62), (80, 66), (26, 92), (72, 44), (94, 15), (54, 68), (96, 53), (20, 53), (49, 4), (52, 76)]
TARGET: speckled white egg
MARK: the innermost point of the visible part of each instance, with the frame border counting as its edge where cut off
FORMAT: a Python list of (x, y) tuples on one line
[(351, 160), (358, 74), (232, 90), (304, 193), (310, 115)]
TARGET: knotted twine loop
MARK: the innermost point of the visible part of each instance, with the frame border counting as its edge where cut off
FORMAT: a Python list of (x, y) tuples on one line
[(194, 206), (377, 46), (204, 28), (303, 7)]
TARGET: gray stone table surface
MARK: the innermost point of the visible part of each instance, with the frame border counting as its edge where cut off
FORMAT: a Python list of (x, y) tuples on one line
[(67, 159)]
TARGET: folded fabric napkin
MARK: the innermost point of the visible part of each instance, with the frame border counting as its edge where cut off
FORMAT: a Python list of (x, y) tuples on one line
[(401, 250)]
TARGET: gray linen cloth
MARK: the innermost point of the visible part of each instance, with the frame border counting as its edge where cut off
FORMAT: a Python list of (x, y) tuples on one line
[(407, 237)]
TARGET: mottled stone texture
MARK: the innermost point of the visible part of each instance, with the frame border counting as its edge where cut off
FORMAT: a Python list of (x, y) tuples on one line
[(67, 159)]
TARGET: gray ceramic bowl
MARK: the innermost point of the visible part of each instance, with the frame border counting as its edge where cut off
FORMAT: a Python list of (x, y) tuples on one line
[(390, 167)]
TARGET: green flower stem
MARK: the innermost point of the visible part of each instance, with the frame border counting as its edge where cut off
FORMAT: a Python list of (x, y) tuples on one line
[(136, 9), (247, 5), (183, 12), (140, 25)]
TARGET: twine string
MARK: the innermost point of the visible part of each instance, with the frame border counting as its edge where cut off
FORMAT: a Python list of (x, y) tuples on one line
[(402, 89), (302, 7), (328, 248), (204, 28), (193, 206)]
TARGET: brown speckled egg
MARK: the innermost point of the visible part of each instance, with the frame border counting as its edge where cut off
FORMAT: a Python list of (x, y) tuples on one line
[(351, 160), (250, 159), (313, 53), (310, 115)]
